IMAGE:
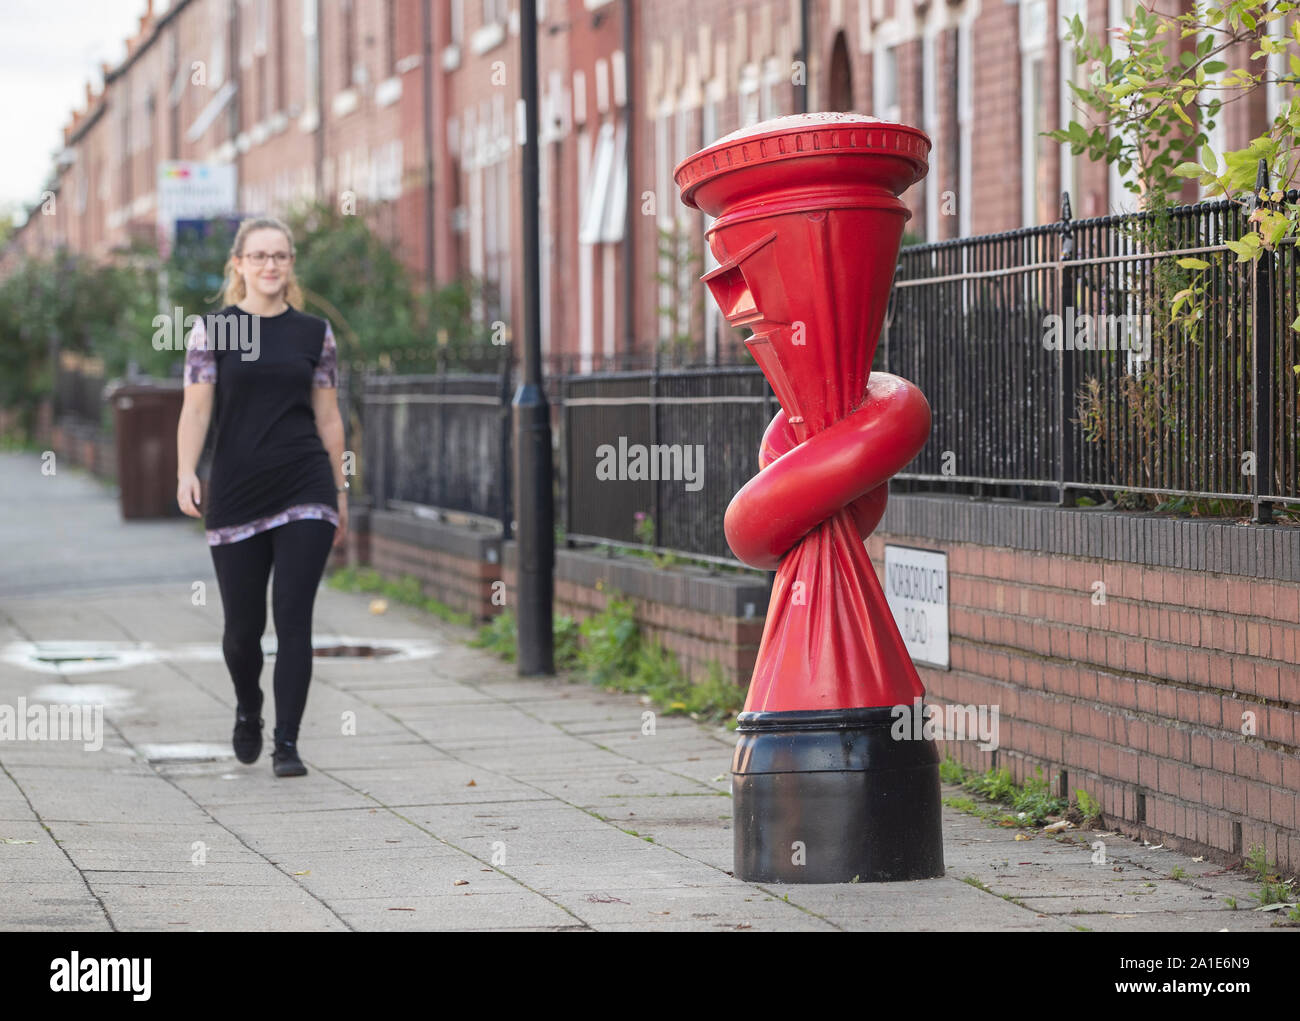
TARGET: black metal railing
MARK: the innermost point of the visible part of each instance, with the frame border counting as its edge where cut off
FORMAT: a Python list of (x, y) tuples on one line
[(1205, 409), (652, 458), (436, 441), (79, 389)]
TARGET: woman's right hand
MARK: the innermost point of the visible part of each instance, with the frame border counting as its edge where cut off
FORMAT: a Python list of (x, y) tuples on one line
[(188, 494)]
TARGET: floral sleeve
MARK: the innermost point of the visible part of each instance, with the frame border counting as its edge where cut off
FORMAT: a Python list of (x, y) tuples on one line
[(326, 374), (200, 362)]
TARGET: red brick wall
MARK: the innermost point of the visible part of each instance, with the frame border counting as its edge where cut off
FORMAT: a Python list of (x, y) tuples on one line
[(1140, 700), (995, 139), (463, 584), (695, 638)]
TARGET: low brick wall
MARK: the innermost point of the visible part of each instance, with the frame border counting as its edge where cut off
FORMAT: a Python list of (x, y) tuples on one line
[(1141, 700), (698, 616), (456, 565)]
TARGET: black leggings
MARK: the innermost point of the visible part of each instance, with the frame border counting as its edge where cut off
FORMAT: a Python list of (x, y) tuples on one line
[(299, 550)]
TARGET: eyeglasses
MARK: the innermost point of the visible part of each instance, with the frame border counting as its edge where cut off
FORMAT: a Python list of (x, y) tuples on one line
[(259, 258)]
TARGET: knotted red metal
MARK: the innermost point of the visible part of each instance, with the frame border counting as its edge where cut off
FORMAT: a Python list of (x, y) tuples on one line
[(807, 232)]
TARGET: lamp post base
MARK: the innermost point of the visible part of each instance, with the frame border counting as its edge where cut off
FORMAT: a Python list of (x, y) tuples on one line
[(829, 796)]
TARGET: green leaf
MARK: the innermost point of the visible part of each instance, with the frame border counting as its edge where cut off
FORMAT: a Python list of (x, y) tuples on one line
[(1192, 263), (1246, 248), (1189, 170)]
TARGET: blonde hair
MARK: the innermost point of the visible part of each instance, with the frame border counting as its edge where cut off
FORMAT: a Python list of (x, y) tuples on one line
[(233, 290)]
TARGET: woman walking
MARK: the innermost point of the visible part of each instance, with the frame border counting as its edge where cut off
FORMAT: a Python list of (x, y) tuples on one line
[(277, 495)]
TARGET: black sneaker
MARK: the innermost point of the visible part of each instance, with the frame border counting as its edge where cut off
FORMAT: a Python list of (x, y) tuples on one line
[(285, 759), (247, 739)]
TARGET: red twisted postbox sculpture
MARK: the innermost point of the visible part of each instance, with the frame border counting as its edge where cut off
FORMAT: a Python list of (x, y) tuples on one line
[(808, 228)]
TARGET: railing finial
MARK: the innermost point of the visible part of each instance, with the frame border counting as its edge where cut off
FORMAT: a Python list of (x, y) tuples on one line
[(1067, 227), (1261, 183)]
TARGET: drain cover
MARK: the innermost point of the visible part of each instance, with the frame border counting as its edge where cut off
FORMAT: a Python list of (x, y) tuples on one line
[(354, 651)]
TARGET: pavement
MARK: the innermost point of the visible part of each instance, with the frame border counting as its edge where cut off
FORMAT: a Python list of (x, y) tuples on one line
[(444, 792)]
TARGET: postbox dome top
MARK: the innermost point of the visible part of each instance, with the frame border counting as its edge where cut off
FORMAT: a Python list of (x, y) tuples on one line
[(799, 121), (801, 135)]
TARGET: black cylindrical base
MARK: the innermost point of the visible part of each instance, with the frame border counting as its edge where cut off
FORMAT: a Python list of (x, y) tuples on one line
[(829, 796)]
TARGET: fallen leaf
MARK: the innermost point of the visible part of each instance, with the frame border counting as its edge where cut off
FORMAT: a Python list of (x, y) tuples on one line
[(461, 882), (1056, 827), (401, 909), (378, 606), (1202, 858), (600, 898), (472, 783), (305, 872), (1023, 836)]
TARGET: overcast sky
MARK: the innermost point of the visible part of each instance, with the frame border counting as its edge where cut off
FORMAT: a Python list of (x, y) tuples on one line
[(49, 49)]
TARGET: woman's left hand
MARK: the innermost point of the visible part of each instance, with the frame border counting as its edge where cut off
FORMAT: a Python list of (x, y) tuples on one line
[(341, 532)]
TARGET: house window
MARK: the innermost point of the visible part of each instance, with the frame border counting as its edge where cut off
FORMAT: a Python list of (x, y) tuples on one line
[(748, 94), (886, 84), (456, 13), (349, 17), (1277, 67), (600, 184), (930, 122), (712, 313), (1071, 71), (965, 128), (312, 48), (1033, 108), (1217, 135), (217, 56), (1121, 198), (390, 37), (772, 79)]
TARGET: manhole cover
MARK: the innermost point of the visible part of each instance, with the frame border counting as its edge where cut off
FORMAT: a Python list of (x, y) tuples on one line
[(354, 651)]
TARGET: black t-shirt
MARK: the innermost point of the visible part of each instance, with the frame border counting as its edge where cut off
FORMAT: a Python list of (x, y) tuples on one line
[(267, 455)]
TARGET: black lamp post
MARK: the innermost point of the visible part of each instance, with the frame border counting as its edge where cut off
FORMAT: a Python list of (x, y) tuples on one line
[(535, 512)]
